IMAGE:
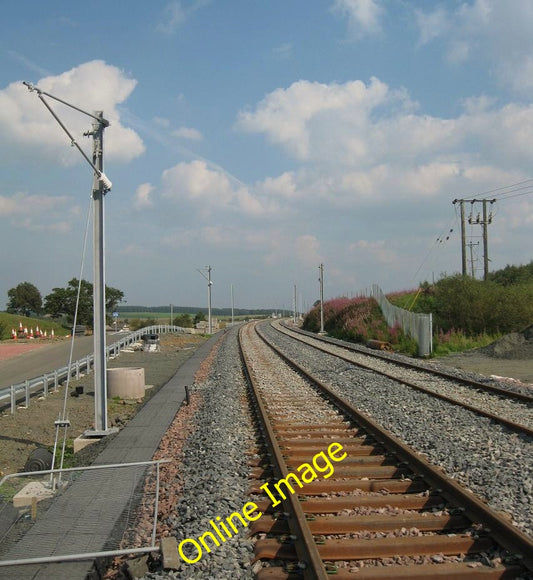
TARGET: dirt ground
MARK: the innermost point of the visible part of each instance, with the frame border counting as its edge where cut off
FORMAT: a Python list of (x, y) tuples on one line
[(510, 357), (34, 427)]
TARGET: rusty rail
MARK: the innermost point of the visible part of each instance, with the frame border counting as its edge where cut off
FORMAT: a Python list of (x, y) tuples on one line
[(379, 471)]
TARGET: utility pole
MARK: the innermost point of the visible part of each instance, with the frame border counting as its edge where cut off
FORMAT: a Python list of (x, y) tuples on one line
[(471, 245), (232, 305), (295, 305), (321, 280), (209, 284), (463, 234), (484, 222)]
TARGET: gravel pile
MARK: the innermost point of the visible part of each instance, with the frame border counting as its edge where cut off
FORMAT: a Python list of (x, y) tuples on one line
[(512, 346), (214, 471), (490, 460)]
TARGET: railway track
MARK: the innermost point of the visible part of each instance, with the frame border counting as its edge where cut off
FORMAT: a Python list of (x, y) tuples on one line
[(507, 407), (343, 498)]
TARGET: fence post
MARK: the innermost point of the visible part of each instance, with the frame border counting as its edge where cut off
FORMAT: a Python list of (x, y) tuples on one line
[(13, 401), (27, 393)]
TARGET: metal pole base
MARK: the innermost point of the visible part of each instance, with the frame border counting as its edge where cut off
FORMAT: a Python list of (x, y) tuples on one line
[(94, 434)]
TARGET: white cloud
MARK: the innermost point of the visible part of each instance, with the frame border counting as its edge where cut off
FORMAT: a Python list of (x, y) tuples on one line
[(367, 142), (188, 133), (211, 189), (22, 204), (290, 116), (37, 212), (363, 15), (490, 30), (92, 86), (283, 186), (143, 196)]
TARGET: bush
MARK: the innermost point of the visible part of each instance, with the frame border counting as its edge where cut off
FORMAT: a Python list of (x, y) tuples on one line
[(479, 307), (352, 319)]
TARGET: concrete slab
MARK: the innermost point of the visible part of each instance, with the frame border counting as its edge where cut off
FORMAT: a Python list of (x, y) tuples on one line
[(34, 490)]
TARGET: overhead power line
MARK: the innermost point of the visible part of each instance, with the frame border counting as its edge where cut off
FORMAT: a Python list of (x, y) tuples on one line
[(525, 187)]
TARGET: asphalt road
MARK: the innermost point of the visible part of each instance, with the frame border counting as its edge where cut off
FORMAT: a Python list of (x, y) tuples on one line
[(46, 359)]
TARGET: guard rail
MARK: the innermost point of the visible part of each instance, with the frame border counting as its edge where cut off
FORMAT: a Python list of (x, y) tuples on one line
[(9, 396)]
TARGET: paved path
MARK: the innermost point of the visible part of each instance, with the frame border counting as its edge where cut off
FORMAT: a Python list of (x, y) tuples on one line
[(84, 516), (46, 359)]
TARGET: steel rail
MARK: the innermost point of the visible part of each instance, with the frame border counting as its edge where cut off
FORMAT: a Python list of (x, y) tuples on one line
[(406, 364), (306, 550), (507, 535), (518, 427)]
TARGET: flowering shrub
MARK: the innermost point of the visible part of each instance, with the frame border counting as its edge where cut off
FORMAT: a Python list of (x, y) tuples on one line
[(354, 319)]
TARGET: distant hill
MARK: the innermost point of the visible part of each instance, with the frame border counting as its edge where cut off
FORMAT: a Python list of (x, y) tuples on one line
[(194, 310)]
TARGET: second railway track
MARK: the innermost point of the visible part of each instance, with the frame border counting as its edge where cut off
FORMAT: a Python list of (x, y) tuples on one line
[(510, 408), (379, 512)]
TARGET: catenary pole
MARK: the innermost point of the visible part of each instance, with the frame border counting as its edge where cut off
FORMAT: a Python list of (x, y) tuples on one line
[(100, 370), (101, 185), (321, 279)]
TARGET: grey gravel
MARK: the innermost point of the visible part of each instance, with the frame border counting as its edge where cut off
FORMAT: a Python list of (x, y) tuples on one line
[(492, 461), (215, 471)]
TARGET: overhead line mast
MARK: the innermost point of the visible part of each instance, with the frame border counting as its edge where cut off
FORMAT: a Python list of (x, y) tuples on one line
[(101, 185)]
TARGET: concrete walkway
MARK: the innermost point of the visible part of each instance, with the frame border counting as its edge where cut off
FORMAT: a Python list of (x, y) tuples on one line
[(83, 518)]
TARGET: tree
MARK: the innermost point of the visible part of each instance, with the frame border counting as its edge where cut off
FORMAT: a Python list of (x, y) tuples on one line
[(200, 317), (183, 320), (62, 301), (113, 297), (24, 299)]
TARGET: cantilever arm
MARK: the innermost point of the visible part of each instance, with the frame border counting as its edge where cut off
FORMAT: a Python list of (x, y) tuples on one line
[(101, 175)]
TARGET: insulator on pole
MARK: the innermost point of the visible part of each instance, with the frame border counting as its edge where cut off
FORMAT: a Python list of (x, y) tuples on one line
[(105, 181)]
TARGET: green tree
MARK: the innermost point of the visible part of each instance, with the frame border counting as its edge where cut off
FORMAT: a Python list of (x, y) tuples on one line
[(24, 299), (183, 320), (62, 301), (200, 316)]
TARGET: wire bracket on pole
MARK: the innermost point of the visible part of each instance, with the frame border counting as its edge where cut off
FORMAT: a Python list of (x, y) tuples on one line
[(102, 177)]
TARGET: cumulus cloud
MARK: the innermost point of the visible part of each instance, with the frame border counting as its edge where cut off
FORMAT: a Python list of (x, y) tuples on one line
[(211, 189), (358, 141), (292, 117), (92, 86), (363, 15)]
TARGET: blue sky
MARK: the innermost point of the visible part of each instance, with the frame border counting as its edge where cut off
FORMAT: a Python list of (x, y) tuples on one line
[(264, 138)]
